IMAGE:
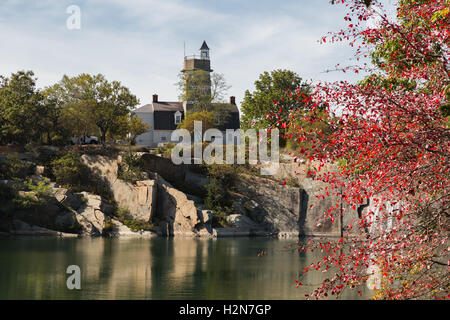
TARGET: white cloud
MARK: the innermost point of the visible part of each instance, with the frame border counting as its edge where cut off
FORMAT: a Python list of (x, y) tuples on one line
[(140, 42)]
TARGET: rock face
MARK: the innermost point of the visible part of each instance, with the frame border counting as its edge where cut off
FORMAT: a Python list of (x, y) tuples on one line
[(153, 200), (178, 216), (311, 206), (275, 207), (139, 199)]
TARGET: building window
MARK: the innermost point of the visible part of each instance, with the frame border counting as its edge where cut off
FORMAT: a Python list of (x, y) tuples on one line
[(177, 117), (163, 138)]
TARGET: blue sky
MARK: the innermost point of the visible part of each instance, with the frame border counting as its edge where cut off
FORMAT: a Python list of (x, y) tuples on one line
[(140, 42)]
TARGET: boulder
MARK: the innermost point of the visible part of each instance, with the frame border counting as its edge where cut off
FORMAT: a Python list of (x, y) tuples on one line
[(67, 198), (90, 216), (39, 170)]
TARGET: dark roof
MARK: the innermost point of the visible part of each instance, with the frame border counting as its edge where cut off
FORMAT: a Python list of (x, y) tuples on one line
[(160, 106), (204, 46), (144, 109), (167, 106), (228, 106)]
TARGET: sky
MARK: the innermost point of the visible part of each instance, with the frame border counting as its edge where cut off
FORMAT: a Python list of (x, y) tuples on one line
[(141, 42)]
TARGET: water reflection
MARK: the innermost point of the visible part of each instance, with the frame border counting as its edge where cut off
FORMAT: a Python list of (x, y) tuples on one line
[(155, 269)]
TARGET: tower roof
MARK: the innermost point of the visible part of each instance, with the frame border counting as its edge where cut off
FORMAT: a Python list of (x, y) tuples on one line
[(204, 46)]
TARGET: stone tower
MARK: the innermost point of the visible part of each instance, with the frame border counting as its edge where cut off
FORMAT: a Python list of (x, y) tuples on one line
[(197, 76)]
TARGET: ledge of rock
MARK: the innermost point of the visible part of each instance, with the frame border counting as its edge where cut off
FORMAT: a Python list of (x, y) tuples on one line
[(24, 229)]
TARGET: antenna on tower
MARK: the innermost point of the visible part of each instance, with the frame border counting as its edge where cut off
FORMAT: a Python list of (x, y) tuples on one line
[(184, 47)]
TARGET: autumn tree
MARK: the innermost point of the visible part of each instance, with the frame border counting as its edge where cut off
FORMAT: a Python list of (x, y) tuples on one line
[(392, 141)]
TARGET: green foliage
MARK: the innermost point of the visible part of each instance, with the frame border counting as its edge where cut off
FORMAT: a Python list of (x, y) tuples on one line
[(109, 226), (206, 117), (137, 226), (215, 194), (14, 168), (93, 102), (388, 83), (125, 217), (41, 189), (315, 125), (278, 85), (35, 194), (69, 171), (128, 127), (223, 178), (131, 167), (219, 218), (23, 114), (292, 182), (226, 173)]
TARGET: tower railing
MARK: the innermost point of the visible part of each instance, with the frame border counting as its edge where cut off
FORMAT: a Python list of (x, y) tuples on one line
[(195, 56)]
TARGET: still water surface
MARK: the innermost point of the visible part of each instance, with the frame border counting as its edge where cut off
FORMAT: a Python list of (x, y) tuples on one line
[(35, 268)]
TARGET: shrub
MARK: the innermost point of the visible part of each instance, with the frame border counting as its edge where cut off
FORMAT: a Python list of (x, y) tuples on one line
[(125, 217), (226, 173), (41, 189), (14, 168), (109, 226), (215, 194), (131, 168), (293, 182), (37, 194), (137, 226), (69, 171), (220, 216)]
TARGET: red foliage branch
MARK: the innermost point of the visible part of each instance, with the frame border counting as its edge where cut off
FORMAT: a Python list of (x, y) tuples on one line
[(392, 142)]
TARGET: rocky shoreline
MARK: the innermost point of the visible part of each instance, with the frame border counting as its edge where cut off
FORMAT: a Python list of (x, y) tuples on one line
[(261, 207)]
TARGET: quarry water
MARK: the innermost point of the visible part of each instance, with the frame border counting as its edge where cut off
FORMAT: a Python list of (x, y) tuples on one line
[(223, 269)]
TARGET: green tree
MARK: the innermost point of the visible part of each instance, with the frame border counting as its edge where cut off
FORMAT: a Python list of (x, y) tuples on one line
[(23, 114), (94, 101), (70, 171), (206, 117), (129, 127), (274, 90)]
